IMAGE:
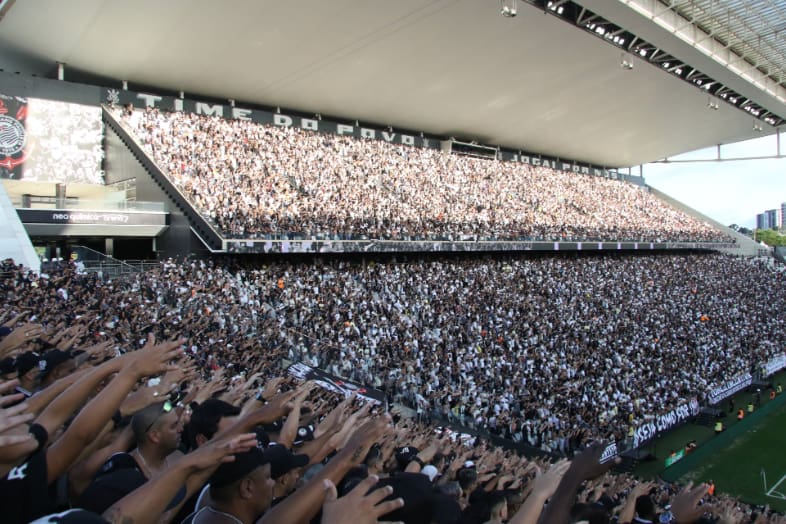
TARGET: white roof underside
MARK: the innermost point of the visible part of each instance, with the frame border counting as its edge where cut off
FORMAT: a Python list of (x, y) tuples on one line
[(445, 67)]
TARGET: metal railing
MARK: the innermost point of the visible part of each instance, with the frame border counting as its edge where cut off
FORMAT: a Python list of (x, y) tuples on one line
[(49, 202), (92, 261)]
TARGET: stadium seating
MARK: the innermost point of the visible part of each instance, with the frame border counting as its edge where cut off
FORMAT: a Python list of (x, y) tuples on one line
[(258, 181)]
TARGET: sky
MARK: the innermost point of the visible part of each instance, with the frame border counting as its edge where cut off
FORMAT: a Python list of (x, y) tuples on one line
[(731, 192)]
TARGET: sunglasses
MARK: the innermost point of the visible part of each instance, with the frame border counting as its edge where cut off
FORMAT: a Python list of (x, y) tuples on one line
[(165, 408)]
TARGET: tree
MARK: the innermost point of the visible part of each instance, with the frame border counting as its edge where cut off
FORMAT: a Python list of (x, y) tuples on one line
[(770, 237), (741, 230)]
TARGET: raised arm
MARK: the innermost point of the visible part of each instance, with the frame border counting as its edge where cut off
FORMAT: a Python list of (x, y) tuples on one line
[(304, 504), (88, 424), (289, 430), (586, 465), (148, 502), (544, 486)]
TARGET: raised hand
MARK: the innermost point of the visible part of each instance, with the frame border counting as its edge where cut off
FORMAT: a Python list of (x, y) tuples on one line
[(145, 396), (217, 451), (728, 513), (154, 359), (364, 437), (685, 506), (20, 336), (545, 483), (14, 416), (358, 506), (586, 465)]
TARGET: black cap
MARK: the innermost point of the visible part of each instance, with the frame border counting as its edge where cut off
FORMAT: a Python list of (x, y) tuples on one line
[(263, 439), (282, 461), (27, 361), (7, 365), (645, 507), (244, 463), (205, 418), (405, 455), (416, 491), (53, 359)]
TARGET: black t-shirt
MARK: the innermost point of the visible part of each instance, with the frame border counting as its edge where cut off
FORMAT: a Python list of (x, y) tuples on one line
[(119, 476), (24, 494)]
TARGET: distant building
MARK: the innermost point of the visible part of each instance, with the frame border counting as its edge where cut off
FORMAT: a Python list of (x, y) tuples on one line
[(770, 219)]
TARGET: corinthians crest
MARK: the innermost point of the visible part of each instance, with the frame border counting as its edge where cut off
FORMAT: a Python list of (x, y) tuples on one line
[(13, 137)]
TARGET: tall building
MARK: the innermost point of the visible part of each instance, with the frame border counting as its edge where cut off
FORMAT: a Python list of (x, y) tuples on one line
[(783, 212), (770, 219)]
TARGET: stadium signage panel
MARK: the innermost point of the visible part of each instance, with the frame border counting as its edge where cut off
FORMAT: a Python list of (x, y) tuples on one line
[(675, 458), (169, 103), (774, 365), (665, 422), (562, 165), (64, 216), (730, 387)]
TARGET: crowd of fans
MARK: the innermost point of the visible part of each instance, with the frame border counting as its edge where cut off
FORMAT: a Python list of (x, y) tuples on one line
[(65, 143), (257, 181), (564, 352)]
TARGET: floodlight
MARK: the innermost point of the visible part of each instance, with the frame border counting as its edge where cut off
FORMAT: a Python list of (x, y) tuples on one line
[(508, 8)]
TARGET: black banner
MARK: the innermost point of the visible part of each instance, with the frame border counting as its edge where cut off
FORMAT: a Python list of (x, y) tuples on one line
[(104, 218), (333, 383)]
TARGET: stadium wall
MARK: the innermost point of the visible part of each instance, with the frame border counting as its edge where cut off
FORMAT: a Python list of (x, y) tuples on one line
[(14, 241), (122, 164), (37, 87)]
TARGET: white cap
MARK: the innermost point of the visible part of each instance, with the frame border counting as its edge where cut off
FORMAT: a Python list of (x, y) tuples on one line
[(430, 471)]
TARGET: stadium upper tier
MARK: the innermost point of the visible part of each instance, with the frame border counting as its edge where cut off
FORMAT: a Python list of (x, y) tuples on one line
[(255, 181)]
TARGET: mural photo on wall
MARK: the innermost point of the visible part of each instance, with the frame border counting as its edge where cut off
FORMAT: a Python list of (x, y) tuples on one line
[(50, 141)]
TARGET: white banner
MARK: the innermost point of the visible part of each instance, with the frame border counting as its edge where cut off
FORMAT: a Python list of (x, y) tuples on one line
[(730, 387), (774, 365), (661, 423)]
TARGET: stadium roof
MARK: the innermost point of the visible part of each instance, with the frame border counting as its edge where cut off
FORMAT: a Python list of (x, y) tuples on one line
[(753, 30), (548, 80)]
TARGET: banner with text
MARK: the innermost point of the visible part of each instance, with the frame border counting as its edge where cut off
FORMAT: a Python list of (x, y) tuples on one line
[(774, 365), (665, 422), (65, 216), (730, 387)]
